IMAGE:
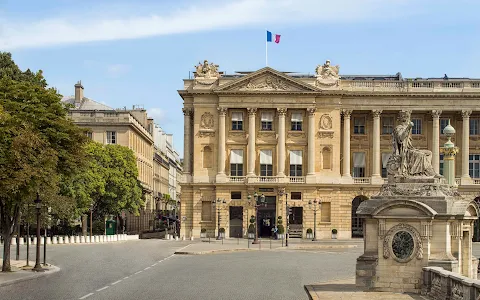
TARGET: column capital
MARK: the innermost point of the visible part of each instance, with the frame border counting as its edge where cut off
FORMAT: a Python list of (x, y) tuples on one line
[(222, 110), (347, 113), (466, 113), (376, 113), (436, 113), (252, 110), (187, 111), (311, 111), (282, 111)]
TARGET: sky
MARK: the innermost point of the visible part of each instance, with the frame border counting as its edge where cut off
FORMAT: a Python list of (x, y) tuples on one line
[(138, 52)]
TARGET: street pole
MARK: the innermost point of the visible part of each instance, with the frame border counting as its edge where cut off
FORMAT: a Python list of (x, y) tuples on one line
[(314, 221), (91, 224), (45, 247), (28, 243), (218, 222), (38, 267), (18, 236), (288, 220), (255, 241)]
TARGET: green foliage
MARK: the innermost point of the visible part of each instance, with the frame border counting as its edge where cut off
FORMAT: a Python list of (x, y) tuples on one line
[(203, 230), (334, 231), (309, 230), (252, 220), (222, 230), (251, 228), (98, 227), (279, 220), (281, 229), (39, 147)]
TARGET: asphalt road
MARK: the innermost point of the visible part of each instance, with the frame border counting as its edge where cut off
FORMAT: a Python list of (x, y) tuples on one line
[(147, 269)]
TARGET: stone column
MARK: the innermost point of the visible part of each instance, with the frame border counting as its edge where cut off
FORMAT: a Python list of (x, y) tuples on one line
[(436, 140), (311, 140), (222, 112), (465, 179), (281, 141), (251, 141), (376, 157), (346, 143), (187, 129)]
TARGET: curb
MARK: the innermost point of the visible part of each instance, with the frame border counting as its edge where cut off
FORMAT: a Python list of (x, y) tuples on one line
[(266, 249), (321, 247), (33, 275), (212, 251), (310, 292)]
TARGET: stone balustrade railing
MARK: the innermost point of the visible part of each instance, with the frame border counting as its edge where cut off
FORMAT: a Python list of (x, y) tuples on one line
[(77, 239), (410, 86), (440, 284)]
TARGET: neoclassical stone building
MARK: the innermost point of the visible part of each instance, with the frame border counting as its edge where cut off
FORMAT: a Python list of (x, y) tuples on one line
[(324, 136)]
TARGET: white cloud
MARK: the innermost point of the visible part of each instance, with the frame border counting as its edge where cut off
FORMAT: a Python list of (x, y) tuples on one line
[(117, 70), (157, 114), (214, 15)]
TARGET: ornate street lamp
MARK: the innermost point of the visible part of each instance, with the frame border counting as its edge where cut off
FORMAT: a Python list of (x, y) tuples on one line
[(216, 204), (282, 192), (38, 206), (256, 205), (315, 209)]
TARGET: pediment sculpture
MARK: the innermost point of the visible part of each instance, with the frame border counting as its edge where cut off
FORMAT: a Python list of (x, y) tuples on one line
[(206, 70), (268, 83), (407, 161), (327, 75)]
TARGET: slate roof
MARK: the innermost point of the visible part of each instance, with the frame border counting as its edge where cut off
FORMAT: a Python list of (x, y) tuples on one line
[(86, 104)]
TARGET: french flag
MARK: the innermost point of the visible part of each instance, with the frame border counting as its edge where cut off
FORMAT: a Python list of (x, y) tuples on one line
[(273, 37)]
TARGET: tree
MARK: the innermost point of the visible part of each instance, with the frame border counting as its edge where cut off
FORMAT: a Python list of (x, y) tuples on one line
[(39, 146), (109, 182)]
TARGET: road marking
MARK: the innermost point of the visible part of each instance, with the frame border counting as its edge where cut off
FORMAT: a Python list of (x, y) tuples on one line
[(154, 264), (126, 277), (114, 283), (103, 288), (147, 268), (137, 272), (87, 295)]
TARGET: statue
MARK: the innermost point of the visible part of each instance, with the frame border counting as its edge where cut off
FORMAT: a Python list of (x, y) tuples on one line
[(407, 161), (327, 75), (206, 70)]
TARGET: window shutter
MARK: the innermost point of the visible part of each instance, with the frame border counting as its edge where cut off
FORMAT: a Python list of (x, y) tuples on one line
[(266, 157), (236, 156), (267, 117), (295, 157), (237, 116), (359, 159), (297, 117)]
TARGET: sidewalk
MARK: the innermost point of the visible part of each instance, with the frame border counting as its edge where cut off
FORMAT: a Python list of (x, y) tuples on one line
[(20, 272), (206, 246), (345, 289)]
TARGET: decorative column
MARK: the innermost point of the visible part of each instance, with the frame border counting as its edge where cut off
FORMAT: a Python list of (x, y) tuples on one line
[(187, 133), (222, 112), (281, 141), (376, 157), (251, 142), (449, 151), (311, 145), (436, 140), (346, 143), (465, 179)]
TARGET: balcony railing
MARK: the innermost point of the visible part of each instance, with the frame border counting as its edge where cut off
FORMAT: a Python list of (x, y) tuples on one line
[(362, 180), (268, 179), (476, 181), (297, 179), (236, 179), (411, 86)]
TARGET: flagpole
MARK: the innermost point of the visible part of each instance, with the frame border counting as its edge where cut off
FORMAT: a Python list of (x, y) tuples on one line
[(266, 50)]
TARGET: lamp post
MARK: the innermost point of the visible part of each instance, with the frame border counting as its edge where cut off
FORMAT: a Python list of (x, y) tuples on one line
[(315, 209), (256, 205), (91, 223), (38, 206), (282, 192), (216, 204)]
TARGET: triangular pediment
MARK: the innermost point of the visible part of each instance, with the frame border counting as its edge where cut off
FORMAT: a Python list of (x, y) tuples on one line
[(266, 80)]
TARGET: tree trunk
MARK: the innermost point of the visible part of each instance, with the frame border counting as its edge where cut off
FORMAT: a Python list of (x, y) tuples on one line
[(6, 252), (84, 225)]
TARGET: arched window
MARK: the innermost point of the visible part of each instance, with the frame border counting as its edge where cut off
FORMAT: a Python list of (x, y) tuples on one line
[(207, 157), (327, 158), (357, 222)]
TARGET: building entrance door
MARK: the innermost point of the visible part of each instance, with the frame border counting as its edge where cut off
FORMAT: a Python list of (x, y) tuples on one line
[(266, 217), (357, 222), (236, 221)]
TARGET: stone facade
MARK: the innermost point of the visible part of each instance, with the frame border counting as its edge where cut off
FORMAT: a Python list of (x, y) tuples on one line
[(336, 127)]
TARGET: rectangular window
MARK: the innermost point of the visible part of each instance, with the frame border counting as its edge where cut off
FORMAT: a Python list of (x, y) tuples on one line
[(236, 195), (266, 163), (325, 212), (236, 162), (296, 163), (206, 211), (267, 121), (417, 126), (297, 120), (237, 121), (296, 196), (358, 125), (111, 137), (385, 158), (387, 125), (474, 165), (358, 164), (441, 164), (443, 124), (474, 126), (89, 134)]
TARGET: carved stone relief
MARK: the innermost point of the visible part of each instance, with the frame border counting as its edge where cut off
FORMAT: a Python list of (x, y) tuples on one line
[(325, 122), (206, 71), (327, 75), (325, 134), (269, 83), (206, 121), (402, 242)]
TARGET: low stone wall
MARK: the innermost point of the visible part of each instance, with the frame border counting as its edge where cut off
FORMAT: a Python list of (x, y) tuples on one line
[(440, 284), (77, 239)]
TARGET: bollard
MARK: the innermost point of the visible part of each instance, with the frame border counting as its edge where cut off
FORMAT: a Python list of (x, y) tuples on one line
[(77, 239), (183, 238), (54, 240), (49, 240), (191, 238), (21, 241), (82, 239), (34, 241), (176, 238), (14, 241)]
